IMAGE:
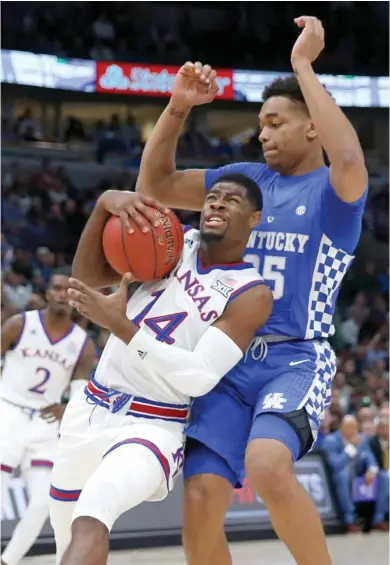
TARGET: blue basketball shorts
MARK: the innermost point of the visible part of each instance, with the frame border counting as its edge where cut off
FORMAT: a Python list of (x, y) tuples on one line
[(291, 380)]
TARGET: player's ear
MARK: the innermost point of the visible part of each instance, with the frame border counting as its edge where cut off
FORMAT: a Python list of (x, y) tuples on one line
[(254, 219), (311, 132)]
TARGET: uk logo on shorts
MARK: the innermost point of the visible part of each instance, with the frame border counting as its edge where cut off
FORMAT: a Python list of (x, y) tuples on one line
[(274, 401)]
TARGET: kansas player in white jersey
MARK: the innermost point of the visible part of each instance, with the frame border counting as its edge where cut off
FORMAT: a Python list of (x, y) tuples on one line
[(44, 352), (303, 247), (122, 439)]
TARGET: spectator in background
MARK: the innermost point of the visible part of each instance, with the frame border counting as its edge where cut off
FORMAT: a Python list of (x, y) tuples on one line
[(26, 127), (17, 290), (103, 28), (74, 129), (324, 430), (348, 455), (100, 52), (379, 445), (383, 280), (45, 263)]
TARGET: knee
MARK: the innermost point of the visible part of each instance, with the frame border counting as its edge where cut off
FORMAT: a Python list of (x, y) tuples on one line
[(86, 527), (198, 496), (269, 468), (206, 498)]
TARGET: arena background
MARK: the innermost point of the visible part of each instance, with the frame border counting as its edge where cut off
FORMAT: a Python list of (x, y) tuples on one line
[(82, 86)]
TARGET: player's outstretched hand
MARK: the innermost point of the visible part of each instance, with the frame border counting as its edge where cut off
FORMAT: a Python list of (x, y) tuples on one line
[(53, 412), (106, 311), (132, 206), (195, 84), (310, 42)]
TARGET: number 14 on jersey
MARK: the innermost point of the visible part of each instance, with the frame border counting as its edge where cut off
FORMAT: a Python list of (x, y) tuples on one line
[(273, 271)]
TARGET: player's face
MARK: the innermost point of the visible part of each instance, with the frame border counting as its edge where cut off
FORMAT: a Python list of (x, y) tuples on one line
[(227, 212), (286, 133), (57, 295)]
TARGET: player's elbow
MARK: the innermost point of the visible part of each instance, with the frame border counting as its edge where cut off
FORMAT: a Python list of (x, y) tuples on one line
[(350, 159)]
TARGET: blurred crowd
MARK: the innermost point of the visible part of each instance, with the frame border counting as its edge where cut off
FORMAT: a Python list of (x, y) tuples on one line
[(117, 137), (172, 32)]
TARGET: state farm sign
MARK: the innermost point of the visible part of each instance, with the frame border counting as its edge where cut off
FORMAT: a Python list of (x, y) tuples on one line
[(150, 80)]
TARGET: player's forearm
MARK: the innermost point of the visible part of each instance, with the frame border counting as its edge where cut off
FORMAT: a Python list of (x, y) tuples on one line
[(158, 162), (335, 131), (89, 264), (193, 373)]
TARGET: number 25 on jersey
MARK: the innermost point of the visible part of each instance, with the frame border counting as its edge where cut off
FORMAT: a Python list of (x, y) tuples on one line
[(273, 271)]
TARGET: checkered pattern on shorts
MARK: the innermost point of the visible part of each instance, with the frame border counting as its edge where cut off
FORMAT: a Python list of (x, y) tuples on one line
[(331, 266), (319, 395)]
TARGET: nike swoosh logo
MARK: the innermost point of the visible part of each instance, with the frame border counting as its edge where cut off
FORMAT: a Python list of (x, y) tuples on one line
[(293, 363)]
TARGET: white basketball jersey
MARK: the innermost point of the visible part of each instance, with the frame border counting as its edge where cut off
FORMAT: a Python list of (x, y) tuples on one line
[(177, 311), (37, 370)]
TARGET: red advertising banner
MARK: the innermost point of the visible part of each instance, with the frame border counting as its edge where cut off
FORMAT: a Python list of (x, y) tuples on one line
[(150, 80)]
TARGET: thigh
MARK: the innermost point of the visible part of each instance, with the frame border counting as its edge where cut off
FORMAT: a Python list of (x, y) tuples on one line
[(139, 466), (127, 476), (166, 447), (200, 460), (38, 485), (220, 422), (78, 451), (299, 394), (12, 436), (42, 444)]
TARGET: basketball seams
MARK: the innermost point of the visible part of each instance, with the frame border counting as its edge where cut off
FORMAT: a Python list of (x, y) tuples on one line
[(149, 256), (179, 240), (153, 232)]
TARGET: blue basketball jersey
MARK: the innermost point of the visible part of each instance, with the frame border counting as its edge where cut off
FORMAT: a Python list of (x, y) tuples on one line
[(302, 247)]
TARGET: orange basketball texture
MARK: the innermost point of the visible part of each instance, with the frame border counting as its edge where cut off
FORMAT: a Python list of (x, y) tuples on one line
[(147, 256)]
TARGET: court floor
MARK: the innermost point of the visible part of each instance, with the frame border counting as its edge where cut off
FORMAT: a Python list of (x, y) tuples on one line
[(357, 549)]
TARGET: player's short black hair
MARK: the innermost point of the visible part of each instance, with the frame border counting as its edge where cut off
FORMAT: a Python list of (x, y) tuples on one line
[(252, 188), (60, 271), (287, 87)]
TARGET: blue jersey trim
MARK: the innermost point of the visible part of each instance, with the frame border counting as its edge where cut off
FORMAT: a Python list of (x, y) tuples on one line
[(244, 288)]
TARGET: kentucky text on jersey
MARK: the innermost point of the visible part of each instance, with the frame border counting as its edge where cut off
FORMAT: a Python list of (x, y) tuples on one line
[(280, 241), (302, 247)]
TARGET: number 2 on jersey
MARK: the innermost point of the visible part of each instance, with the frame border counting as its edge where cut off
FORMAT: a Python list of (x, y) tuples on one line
[(163, 326), (39, 388), (273, 271)]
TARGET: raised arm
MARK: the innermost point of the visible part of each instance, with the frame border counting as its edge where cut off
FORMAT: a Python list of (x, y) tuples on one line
[(348, 173), (194, 85)]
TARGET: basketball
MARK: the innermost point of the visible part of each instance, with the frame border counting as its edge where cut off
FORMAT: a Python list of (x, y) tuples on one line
[(147, 256)]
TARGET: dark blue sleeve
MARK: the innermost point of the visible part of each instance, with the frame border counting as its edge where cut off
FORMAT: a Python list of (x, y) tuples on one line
[(253, 170), (341, 221)]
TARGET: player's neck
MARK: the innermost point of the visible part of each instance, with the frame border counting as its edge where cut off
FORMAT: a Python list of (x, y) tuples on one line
[(309, 164), (215, 253), (56, 321)]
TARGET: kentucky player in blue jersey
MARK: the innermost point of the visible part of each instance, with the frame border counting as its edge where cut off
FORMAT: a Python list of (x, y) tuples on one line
[(303, 247)]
